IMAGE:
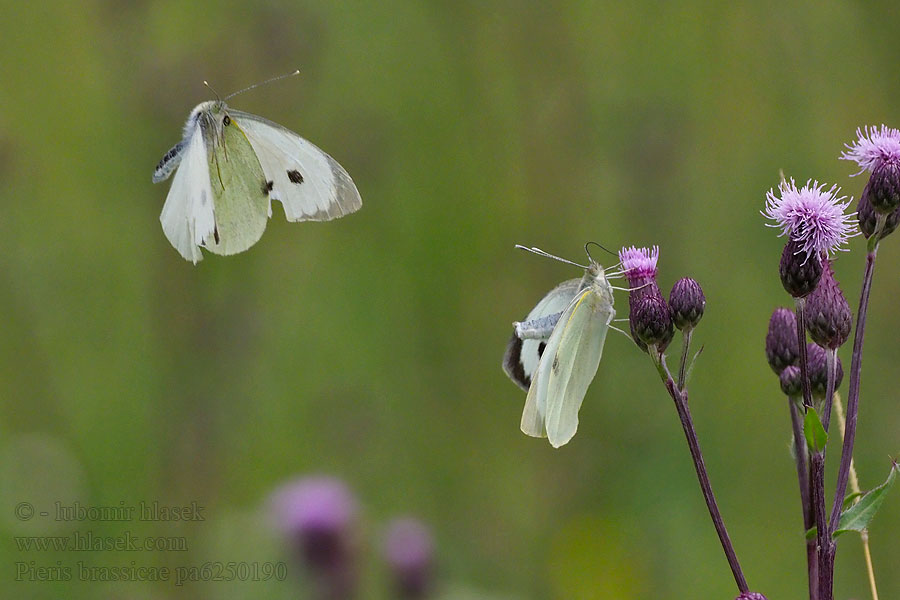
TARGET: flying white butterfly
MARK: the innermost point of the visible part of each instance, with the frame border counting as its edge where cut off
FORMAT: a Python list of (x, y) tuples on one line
[(554, 353), (230, 166)]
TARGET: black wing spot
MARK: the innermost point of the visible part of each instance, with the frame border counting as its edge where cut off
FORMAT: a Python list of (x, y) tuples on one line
[(216, 233), (295, 176), (541, 347), (556, 364), (267, 187)]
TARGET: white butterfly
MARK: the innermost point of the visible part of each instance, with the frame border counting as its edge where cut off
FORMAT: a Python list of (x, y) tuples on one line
[(554, 353), (231, 165)]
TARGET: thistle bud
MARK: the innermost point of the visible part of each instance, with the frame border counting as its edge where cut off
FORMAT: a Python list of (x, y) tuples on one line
[(687, 303), (868, 218), (818, 371), (652, 321), (790, 381), (884, 187), (827, 312), (409, 553), (800, 272), (782, 349)]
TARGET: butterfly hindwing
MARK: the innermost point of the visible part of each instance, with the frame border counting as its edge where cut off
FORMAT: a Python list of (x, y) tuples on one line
[(522, 356), (310, 184), (241, 194)]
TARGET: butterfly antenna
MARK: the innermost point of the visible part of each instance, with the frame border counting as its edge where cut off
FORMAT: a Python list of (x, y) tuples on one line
[(206, 83), (604, 248), (266, 82), (540, 252)]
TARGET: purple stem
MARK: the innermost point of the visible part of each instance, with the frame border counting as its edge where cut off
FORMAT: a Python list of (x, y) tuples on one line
[(853, 396), (800, 304), (823, 533), (681, 405), (803, 478)]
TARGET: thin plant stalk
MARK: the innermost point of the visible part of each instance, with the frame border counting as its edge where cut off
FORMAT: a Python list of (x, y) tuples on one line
[(855, 368), (800, 305), (854, 485), (684, 414), (823, 529), (685, 348), (801, 455)]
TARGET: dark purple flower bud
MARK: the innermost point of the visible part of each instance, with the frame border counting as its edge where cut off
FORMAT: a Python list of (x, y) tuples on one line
[(827, 312), (791, 383), (868, 218), (818, 372), (800, 272), (318, 516), (884, 187), (782, 349), (751, 596), (651, 321), (687, 303), (409, 553)]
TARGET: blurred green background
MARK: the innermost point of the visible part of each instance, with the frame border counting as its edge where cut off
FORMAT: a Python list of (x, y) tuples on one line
[(370, 347)]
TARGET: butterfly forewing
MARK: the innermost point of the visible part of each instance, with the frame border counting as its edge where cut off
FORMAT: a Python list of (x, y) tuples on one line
[(310, 184), (573, 366), (187, 216)]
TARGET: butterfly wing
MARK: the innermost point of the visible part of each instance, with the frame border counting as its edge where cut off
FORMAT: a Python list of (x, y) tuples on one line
[(241, 194), (522, 356), (310, 185), (570, 363), (187, 216)]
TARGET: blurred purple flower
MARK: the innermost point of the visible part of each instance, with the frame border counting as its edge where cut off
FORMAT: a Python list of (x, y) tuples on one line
[(811, 216), (318, 515), (409, 553)]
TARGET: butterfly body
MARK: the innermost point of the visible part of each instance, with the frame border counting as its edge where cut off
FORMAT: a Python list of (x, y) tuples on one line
[(228, 168), (554, 354)]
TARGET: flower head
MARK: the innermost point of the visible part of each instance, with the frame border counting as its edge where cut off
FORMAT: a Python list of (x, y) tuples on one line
[(782, 349), (812, 216), (318, 517), (639, 264), (409, 553), (874, 147), (687, 303)]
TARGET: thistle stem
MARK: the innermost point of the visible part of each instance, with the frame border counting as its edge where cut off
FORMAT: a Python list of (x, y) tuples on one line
[(853, 396), (800, 304), (854, 485), (685, 348), (801, 453), (684, 414)]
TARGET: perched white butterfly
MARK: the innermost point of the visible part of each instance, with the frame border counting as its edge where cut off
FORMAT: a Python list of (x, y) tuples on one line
[(554, 353), (231, 165)]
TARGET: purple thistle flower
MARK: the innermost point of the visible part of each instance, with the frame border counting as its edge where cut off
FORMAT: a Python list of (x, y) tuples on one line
[(811, 216), (826, 312), (874, 148), (782, 349), (409, 553), (639, 265), (687, 303), (649, 316), (318, 516)]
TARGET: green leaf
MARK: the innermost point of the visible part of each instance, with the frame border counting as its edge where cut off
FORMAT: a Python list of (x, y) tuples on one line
[(815, 434), (849, 499), (858, 516)]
